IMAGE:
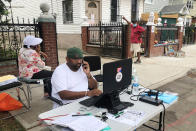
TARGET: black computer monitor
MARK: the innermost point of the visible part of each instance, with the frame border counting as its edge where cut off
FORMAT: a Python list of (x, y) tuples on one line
[(117, 75)]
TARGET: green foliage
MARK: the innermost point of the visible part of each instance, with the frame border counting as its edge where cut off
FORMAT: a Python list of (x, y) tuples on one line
[(7, 54), (190, 29), (3, 10)]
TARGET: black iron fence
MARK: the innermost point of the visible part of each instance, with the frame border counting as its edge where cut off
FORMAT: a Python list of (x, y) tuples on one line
[(12, 35), (165, 35), (189, 36), (106, 35)]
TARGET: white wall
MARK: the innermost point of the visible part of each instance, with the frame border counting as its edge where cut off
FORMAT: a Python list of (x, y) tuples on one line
[(125, 8), (26, 8), (141, 8), (156, 6), (106, 7), (31, 9), (78, 13)]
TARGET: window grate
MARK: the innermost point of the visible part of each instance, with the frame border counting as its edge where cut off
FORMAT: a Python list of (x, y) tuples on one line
[(67, 11)]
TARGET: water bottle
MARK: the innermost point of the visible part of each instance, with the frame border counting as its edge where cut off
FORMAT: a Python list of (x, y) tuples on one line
[(135, 83)]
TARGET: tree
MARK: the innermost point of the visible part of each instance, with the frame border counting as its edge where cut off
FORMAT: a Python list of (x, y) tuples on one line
[(3, 10)]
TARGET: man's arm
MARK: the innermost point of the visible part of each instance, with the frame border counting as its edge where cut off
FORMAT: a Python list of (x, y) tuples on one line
[(70, 95), (128, 22), (92, 83)]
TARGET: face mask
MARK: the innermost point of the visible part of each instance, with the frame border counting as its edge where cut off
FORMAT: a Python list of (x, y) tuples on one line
[(134, 25)]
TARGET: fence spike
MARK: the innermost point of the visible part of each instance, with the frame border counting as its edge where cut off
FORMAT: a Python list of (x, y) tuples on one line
[(18, 19)]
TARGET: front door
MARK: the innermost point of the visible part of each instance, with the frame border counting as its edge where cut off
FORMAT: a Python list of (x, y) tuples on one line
[(93, 11)]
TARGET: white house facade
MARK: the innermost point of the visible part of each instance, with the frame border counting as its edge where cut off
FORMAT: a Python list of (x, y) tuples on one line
[(70, 14)]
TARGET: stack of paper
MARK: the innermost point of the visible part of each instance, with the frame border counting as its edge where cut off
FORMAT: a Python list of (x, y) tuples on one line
[(130, 117), (80, 123), (7, 79)]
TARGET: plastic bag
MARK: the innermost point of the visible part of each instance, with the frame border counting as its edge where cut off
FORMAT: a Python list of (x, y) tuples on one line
[(8, 103)]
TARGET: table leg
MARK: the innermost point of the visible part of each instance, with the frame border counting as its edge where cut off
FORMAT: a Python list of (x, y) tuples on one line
[(160, 121)]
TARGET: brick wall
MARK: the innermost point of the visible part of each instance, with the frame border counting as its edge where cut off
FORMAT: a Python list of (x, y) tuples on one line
[(102, 52), (195, 36), (194, 20), (49, 45), (84, 38), (180, 37), (8, 67), (128, 53), (150, 40)]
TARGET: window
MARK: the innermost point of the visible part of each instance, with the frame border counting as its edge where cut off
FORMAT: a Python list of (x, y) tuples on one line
[(148, 1), (67, 11), (92, 5), (113, 10), (189, 4), (134, 10)]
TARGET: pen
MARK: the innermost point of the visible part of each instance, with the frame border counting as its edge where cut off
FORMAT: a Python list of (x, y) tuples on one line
[(118, 114), (82, 114)]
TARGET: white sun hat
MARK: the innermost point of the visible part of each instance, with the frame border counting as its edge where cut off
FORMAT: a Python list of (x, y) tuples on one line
[(31, 41)]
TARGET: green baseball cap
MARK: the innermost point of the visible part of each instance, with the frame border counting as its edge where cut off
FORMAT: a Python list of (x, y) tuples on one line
[(74, 53)]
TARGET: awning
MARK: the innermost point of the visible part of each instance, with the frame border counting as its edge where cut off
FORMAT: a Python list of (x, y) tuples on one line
[(170, 16)]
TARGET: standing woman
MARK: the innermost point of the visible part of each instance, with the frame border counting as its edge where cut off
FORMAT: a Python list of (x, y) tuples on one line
[(30, 63)]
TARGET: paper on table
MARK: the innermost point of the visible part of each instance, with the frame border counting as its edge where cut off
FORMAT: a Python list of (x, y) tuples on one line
[(81, 123), (130, 117), (7, 79)]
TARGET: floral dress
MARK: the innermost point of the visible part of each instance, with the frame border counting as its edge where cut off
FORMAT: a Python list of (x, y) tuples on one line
[(29, 62)]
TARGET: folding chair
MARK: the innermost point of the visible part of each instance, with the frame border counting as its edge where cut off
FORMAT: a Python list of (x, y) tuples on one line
[(95, 65), (49, 91), (28, 82), (48, 86)]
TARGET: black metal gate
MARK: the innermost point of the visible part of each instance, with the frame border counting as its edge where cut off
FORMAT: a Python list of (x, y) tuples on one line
[(189, 37), (108, 36), (12, 35)]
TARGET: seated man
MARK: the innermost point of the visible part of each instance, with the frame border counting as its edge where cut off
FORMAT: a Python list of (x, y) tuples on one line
[(71, 80)]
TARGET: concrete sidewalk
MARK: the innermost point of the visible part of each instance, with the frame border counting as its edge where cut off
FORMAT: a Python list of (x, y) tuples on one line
[(152, 72)]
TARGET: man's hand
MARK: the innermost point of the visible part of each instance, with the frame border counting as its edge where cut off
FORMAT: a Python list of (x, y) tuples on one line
[(126, 20), (94, 92), (86, 68)]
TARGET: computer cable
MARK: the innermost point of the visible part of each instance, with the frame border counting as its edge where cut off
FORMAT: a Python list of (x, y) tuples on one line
[(163, 120), (124, 91), (140, 94)]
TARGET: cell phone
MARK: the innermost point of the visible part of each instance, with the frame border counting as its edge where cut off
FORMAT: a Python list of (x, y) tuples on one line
[(83, 64)]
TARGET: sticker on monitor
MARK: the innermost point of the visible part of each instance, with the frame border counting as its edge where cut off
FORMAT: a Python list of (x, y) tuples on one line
[(119, 74)]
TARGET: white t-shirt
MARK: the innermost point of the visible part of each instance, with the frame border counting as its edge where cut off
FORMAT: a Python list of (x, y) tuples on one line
[(64, 78)]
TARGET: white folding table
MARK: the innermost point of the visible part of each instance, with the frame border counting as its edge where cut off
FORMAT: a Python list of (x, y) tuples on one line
[(150, 110)]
